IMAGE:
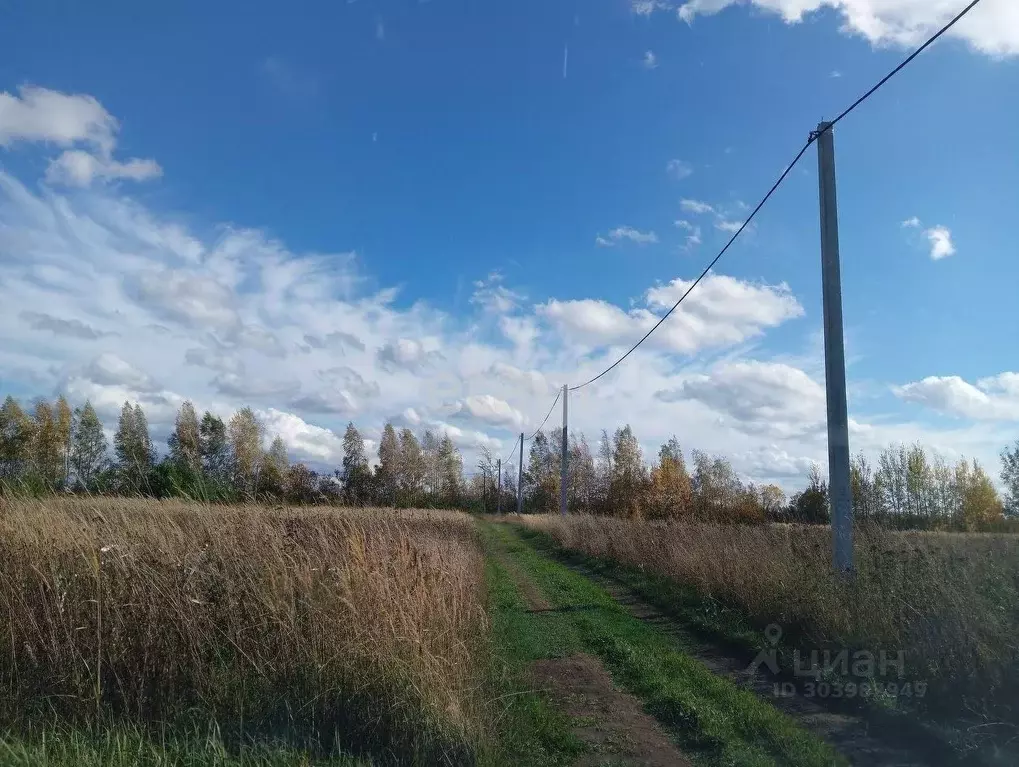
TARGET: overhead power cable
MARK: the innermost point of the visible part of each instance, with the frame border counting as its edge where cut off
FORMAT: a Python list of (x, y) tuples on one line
[(813, 137), (543, 420)]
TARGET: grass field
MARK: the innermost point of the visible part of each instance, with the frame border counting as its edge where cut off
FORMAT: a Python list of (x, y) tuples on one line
[(172, 633), (244, 630), (948, 602)]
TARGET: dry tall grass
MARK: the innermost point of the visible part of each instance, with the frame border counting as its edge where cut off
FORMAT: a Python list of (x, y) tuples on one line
[(950, 602), (365, 627)]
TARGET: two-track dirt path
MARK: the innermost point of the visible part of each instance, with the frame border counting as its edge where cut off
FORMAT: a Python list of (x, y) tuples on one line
[(610, 721), (850, 733), (616, 727)]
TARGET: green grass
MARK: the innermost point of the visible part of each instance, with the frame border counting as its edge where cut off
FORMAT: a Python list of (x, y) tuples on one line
[(715, 722), (531, 732), (125, 746), (730, 627)]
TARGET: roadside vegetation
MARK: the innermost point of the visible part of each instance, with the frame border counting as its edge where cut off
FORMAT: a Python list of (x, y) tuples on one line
[(713, 720), (941, 607), (137, 627)]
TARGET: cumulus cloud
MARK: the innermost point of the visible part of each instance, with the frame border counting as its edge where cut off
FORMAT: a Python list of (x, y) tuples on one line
[(46, 116), (305, 440), (406, 354), (650, 61), (722, 311), (771, 462), (628, 233), (485, 407), (39, 114), (160, 406), (991, 28), (533, 380), (940, 239), (989, 399), (758, 397), (110, 370)]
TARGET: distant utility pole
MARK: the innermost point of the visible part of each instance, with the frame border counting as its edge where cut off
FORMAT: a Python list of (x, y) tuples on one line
[(520, 478), (566, 453), (839, 489), (498, 489)]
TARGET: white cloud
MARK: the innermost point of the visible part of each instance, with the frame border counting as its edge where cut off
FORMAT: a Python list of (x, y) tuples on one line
[(76, 167), (992, 27), (693, 233), (650, 61), (990, 399), (246, 388), (531, 379), (771, 462), (679, 169), (309, 442), (104, 298), (494, 297), (622, 233), (42, 115), (730, 227), (61, 327), (407, 354), (911, 223), (696, 207), (110, 370), (493, 410), (648, 7), (757, 397), (335, 341), (940, 238), (39, 114), (722, 311), (339, 402)]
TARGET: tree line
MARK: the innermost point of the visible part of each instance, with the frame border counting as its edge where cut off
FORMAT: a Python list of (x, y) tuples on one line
[(909, 487), (51, 447)]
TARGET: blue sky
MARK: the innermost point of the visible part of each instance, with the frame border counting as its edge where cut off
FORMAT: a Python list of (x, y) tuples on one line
[(436, 212)]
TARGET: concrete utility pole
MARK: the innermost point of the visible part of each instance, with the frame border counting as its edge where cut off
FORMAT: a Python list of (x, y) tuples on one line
[(520, 478), (498, 489), (566, 453), (839, 489)]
